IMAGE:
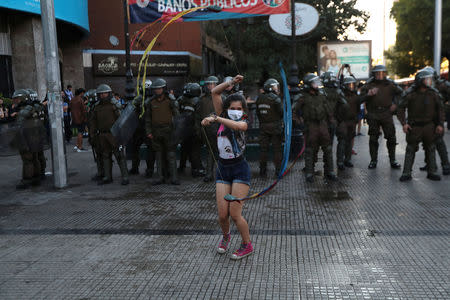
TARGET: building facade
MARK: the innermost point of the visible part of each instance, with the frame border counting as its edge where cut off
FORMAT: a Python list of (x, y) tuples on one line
[(182, 53), (22, 49)]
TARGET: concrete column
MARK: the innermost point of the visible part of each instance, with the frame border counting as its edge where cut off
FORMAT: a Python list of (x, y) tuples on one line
[(28, 63), (40, 82), (72, 63)]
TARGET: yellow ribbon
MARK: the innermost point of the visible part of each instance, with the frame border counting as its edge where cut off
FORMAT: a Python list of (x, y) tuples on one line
[(147, 51)]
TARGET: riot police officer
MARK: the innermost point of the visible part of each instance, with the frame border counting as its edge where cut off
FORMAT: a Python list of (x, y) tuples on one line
[(425, 120), (205, 108), (140, 136), (381, 96), (105, 114), (334, 96), (269, 110), (29, 138), (316, 115), (159, 113), (93, 137), (347, 117), (443, 87), (189, 138), (43, 117)]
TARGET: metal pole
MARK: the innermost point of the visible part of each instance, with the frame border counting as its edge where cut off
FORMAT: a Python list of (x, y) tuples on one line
[(293, 70), (437, 36), (55, 110), (129, 86)]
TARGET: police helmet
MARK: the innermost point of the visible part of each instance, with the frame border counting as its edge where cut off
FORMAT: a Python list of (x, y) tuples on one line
[(192, 89), (33, 95), (103, 88), (228, 78), (22, 94), (421, 76), (158, 83), (91, 95), (270, 84), (348, 80), (433, 71), (147, 84), (328, 78), (212, 79), (312, 81), (378, 68)]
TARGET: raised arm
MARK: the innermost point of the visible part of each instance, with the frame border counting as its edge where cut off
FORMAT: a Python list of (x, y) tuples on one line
[(216, 92)]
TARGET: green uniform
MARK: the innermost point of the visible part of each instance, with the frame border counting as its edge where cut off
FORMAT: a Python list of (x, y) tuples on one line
[(94, 140), (139, 138), (444, 89), (191, 140), (105, 114), (205, 107), (425, 112), (347, 118), (269, 110), (334, 97), (159, 113), (29, 140), (316, 115), (379, 115)]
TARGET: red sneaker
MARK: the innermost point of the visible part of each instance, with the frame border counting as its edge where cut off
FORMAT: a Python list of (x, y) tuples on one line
[(354, 152), (223, 245), (243, 251)]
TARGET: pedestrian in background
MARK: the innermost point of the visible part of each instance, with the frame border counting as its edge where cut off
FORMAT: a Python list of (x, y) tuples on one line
[(78, 115), (66, 117)]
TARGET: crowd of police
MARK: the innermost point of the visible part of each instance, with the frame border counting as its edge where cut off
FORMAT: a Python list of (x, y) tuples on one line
[(324, 107)]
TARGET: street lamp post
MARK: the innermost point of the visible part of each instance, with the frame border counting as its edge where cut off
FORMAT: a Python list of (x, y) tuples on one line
[(293, 70), (129, 86), (54, 93), (437, 36)]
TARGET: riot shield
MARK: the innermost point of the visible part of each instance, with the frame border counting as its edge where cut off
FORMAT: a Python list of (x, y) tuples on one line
[(184, 126), (29, 135), (125, 126)]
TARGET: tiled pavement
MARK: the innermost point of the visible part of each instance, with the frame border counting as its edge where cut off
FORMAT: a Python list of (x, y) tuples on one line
[(366, 236)]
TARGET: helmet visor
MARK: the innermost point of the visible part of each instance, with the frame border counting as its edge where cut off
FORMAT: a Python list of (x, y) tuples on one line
[(316, 84)]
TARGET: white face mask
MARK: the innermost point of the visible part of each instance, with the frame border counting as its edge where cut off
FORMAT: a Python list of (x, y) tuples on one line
[(235, 115)]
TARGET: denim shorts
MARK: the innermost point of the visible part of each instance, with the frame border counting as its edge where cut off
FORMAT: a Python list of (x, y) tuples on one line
[(233, 172)]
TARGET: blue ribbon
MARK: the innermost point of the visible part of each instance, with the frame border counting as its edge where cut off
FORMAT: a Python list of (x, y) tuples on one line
[(287, 116)]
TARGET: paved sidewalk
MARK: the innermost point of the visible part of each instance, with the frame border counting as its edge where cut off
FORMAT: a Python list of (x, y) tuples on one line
[(366, 236)]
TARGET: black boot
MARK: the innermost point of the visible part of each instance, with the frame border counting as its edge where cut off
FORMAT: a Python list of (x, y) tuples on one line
[(159, 172), (262, 171), (23, 184), (410, 154), (107, 165), (348, 164), (340, 153), (405, 178), (209, 168), (123, 168), (173, 168), (431, 162), (394, 163), (373, 164)]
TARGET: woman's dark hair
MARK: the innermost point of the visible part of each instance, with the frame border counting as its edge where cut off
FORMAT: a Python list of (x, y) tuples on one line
[(233, 98)]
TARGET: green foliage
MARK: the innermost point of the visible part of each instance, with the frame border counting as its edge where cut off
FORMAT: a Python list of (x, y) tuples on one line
[(415, 35), (260, 49), (6, 101)]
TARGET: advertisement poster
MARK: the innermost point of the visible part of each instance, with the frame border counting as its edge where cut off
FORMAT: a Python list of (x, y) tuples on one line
[(334, 54)]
